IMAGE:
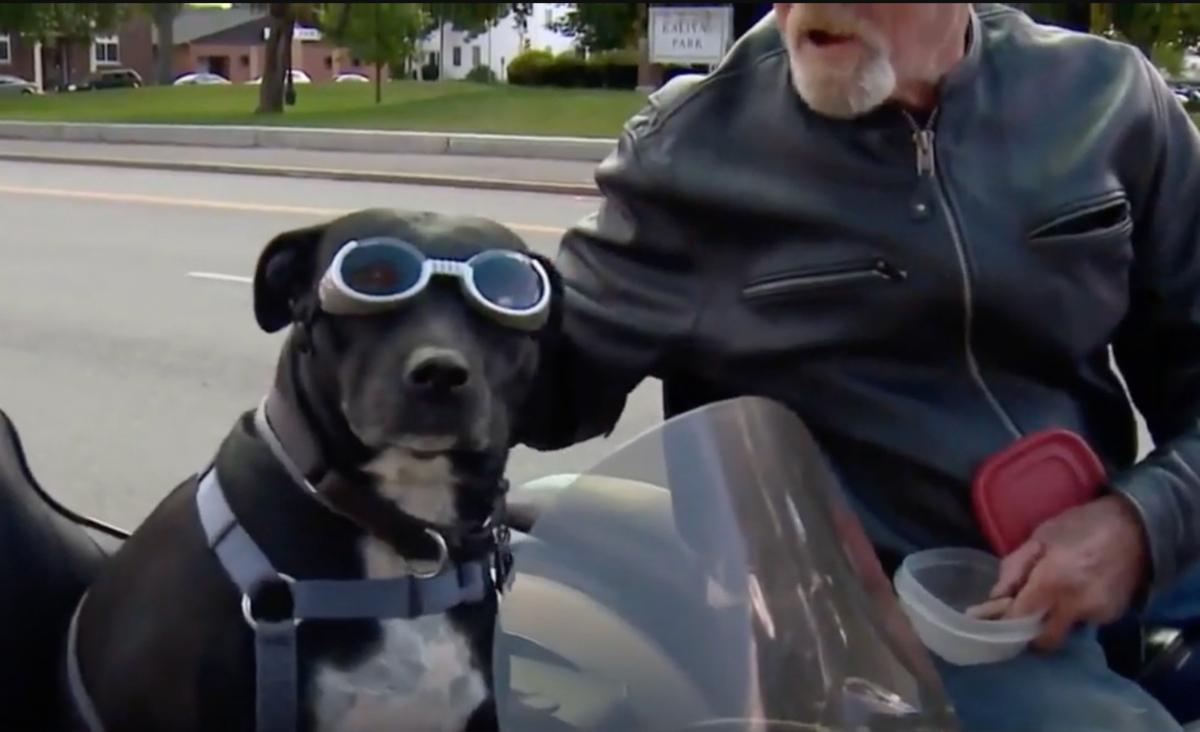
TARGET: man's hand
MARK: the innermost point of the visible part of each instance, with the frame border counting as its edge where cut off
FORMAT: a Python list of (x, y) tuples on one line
[(1081, 566)]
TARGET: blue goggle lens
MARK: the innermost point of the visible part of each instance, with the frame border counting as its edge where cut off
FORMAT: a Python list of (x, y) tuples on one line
[(381, 269), (508, 282)]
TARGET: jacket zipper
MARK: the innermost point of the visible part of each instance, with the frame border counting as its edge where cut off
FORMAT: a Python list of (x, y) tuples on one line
[(819, 277), (923, 138)]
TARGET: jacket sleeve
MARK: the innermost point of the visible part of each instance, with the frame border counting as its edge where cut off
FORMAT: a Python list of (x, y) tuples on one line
[(630, 293), (1158, 345)]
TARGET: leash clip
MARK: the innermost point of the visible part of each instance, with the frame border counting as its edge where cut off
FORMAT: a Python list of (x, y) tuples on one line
[(503, 558)]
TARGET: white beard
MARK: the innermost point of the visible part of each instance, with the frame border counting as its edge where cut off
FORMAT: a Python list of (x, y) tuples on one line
[(843, 96)]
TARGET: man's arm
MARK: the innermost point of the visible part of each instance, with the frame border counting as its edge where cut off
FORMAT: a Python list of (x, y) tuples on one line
[(1089, 563), (630, 294), (1158, 346)]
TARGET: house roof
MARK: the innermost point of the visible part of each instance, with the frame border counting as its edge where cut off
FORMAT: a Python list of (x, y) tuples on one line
[(249, 33), (193, 24)]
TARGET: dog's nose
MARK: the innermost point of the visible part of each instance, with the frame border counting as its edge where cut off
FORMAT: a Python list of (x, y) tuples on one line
[(439, 371)]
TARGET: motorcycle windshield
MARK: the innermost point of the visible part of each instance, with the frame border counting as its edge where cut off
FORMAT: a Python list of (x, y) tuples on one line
[(708, 576)]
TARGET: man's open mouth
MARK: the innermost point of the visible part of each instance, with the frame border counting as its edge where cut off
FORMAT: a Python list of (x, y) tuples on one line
[(825, 39)]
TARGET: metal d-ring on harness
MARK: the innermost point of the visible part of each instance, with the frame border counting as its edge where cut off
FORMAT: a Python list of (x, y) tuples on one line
[(422, 592)]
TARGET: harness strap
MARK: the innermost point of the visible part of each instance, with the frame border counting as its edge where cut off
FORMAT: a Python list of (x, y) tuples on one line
[(276, 657), (405, 598), (276, 678)]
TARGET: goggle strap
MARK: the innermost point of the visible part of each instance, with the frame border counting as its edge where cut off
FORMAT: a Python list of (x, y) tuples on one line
[(446, 267)]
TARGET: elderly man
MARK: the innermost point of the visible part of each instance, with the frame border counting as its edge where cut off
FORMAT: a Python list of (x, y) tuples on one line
[(922, 226)]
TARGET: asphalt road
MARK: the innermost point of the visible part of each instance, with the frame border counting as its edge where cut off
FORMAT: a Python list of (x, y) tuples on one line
[(123, 361)]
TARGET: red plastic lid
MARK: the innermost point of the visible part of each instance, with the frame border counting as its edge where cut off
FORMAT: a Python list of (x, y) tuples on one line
[(1031, 481)]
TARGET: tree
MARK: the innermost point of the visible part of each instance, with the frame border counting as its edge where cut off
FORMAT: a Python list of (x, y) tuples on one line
[(1160, 30), (603, 26), (1155, 28), (277, 86), (608, 26), (163, 15), (384, 34), (277, 57)]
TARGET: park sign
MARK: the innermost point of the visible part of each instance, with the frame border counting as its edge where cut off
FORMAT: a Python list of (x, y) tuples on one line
[(690, 34)]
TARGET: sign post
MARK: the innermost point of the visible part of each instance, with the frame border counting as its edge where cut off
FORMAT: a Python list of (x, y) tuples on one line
[(690, 34)]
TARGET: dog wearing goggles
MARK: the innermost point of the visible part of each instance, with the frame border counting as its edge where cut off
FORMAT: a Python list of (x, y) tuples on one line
[(379, 454)]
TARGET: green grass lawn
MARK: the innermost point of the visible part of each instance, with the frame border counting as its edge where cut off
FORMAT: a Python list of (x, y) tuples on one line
[(451, 106)]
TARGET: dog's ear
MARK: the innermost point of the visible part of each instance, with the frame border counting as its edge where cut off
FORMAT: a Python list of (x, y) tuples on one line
[(284, 272)]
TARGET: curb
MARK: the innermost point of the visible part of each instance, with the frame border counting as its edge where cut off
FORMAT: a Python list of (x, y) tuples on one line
[(282, 171), (584, 149)]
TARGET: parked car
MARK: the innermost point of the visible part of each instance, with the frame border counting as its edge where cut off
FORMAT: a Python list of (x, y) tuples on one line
[(1187, 92), (16, 85), (298, 77), (352, 78), (109, 79), (200, 78)]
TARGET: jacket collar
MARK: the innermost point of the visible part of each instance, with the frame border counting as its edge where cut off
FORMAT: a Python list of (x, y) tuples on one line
[(964, 72)]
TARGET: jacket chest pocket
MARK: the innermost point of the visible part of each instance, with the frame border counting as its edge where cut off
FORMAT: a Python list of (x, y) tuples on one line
[(1093, 223), (1079, 264), (804, 280)]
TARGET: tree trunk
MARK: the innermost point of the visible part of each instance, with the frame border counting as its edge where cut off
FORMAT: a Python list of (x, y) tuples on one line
[(64, 58), (164, 22), (441, 46), (270, 94), (378, 47), (646, 80)]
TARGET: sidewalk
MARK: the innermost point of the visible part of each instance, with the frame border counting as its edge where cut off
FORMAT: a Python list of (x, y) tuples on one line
[(509, 173)]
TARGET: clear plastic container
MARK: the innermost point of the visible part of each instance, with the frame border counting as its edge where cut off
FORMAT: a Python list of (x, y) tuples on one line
[(935, 588)]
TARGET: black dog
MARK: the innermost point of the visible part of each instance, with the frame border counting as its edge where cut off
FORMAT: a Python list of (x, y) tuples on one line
[(400, 418)]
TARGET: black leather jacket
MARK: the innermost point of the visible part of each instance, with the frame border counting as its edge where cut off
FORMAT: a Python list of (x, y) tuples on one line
[(921, 292)]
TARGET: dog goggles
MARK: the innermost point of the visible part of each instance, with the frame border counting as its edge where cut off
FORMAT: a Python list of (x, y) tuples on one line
[(379, 274)]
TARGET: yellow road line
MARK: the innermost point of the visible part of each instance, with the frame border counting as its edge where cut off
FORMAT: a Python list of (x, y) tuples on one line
[(150, 200)]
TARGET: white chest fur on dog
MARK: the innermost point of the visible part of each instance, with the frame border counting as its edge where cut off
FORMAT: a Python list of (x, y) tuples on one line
[(421, 677)]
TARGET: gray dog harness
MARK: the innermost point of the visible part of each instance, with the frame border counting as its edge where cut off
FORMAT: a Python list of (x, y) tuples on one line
[(276, 675), (445, 586)]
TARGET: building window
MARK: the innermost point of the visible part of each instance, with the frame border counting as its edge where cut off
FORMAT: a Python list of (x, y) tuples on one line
[(433, 59), (476, 56), (356, 62), (329, 62), (5, 49), (245, 59), (107, 50), (458, 55)]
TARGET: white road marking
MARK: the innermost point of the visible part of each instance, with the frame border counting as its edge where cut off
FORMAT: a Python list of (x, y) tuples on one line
[(221, 277)]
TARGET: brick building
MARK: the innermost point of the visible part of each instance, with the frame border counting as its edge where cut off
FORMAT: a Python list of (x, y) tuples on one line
[(237, 53), (130, 47)]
